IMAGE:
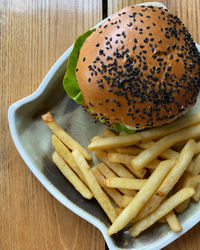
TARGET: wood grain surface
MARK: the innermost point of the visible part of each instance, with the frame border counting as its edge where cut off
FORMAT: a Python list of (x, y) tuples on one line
[(33, 34)]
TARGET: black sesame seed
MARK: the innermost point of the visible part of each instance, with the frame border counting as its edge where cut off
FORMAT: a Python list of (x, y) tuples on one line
[(137, 110), (97, 45), (83, 59), (134, 47), (180, 54), (76, 69), (135, 40), (169, 68)]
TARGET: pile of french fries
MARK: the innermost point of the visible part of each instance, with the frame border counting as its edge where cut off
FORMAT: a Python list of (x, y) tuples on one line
[(142, 178)]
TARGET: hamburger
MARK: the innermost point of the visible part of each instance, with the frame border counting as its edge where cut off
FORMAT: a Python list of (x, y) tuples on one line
[(139, 69)]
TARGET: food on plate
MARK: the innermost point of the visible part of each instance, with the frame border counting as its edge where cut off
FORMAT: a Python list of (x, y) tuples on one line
[(94, 186), (171, 179), (71, 176), (145, 135), (115, 195), (188, 181), (128, 183), (164, 143), (66, 154), (63, 136), (139, 69), (141, 197), (164, 209), (173, 222), (129, 196)]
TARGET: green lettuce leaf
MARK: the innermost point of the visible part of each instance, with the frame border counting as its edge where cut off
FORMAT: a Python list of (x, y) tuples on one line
[(121, 127), (69, 82)]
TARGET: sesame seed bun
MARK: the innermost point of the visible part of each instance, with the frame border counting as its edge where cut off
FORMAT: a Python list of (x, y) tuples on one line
[(140, 68)]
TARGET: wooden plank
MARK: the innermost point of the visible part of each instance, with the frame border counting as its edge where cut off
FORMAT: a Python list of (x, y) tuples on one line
[(33, 34)]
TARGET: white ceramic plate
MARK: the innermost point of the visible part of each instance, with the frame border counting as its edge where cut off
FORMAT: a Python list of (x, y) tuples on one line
[(33, 141)]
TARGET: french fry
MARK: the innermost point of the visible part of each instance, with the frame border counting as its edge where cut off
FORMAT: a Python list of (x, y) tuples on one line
[(116, 167), (108, 132), (63, 136), (94, 186), (119, 210), (141, 197), (107, 172), (170, 180), (173, 222), (128, 150), (71, 176), (167, 155), (195, 169), (120, 158), (146, 135), (64, 152), (196, 196), (134, 150), (197, 148), (97, 137), (110, 150), (190, 168), (140, 173), (160, 146), (113, 193), (189, 181), (126, 160), (163, 210), (126, 200), (153, 164), (162, 220), (128, 183)]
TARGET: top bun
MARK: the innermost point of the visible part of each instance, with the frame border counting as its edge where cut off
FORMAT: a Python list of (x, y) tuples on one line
[(140, 68)]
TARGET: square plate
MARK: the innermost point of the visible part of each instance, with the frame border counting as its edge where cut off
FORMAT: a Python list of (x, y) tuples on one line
[(33, 141)]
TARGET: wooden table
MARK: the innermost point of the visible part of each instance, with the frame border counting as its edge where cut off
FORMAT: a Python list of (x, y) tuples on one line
[(33, 34)]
